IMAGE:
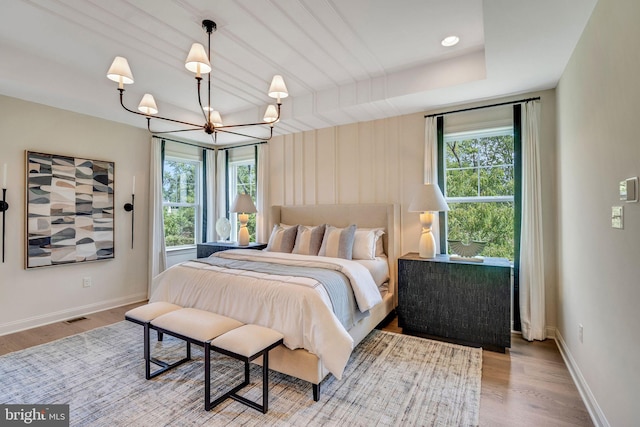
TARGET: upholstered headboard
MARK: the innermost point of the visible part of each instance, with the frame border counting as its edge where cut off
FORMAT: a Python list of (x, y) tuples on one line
[(386, 216)]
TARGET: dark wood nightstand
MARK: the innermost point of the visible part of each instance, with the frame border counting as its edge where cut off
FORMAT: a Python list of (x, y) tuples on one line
[(208, 248), (457, 301)]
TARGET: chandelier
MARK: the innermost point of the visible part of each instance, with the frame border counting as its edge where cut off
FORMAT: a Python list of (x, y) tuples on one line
[(198, 62)]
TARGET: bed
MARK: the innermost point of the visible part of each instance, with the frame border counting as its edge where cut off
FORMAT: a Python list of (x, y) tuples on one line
[(315, 344)]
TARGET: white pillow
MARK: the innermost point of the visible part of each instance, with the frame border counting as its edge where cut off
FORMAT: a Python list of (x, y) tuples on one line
[(338, 242), (365, 244), (282, 239), (309, 239)]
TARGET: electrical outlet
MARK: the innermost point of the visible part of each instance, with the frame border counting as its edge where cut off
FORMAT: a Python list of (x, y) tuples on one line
[(86, 282), (580, 332)]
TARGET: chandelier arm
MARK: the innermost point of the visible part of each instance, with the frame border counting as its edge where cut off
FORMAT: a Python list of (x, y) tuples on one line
[(154, 117), (243, 125), (167, 131), (247, 136)]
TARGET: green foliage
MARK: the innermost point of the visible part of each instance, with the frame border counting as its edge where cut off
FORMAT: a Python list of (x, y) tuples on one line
[(481, 167), (179, 188), (487, 222), (179, 226)]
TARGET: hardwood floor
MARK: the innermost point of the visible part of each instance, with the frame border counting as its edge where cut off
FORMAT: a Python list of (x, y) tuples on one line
[(528, 386)]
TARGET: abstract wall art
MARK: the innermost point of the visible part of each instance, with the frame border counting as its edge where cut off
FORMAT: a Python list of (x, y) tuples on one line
[(70, 210)]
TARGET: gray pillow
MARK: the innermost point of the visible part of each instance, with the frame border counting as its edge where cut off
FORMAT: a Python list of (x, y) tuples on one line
[(309, 239), (282, 239), (338, 242)]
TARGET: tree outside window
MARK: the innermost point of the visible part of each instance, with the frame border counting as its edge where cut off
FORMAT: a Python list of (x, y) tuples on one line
[(479, 188), (181, 208)]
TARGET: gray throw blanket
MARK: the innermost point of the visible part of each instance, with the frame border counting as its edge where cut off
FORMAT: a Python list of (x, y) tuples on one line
[(335, 283)]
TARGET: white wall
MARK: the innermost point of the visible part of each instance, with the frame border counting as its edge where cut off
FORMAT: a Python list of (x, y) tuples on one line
[(599, 272), (43, 295), (381, 161)]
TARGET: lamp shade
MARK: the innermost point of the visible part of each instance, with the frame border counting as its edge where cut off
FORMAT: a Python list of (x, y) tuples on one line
[(215, 118), (278, 89), (148, 104), (428, 199), (271, 115), (198, 57), (119, 71), (243, 204)]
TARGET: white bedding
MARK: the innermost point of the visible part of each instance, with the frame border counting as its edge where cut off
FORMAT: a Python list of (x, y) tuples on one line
[(379, 269), (297, 307)]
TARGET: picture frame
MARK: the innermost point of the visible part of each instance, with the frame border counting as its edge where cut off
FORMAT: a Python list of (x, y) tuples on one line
[(69, 210)]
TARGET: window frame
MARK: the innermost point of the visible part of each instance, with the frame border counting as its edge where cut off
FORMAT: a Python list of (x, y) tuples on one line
[(480, 130), (477, 134)]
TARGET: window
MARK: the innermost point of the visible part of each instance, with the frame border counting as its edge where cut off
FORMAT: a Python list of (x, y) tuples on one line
[(479, 188), (181, 201), (242, 179)]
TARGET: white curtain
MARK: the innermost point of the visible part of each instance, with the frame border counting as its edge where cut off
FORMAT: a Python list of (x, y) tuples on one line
[(262, 202), (431, 167), (158, 256), (532, 304), (212, 215)]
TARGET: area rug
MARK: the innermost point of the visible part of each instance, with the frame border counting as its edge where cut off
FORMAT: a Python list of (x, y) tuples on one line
[(391, 379)]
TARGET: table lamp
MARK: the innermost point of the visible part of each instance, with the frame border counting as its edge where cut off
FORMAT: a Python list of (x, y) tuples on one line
[(243, 205), (429, 199)]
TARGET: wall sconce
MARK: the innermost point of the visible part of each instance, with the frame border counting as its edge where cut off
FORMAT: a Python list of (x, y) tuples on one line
[(428, 199), (129, 207), (4, 206)]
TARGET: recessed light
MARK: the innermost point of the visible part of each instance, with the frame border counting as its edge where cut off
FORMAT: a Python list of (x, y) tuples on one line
[(450, 41)]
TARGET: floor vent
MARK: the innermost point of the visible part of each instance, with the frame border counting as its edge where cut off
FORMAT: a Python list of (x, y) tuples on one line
[(76, 319)]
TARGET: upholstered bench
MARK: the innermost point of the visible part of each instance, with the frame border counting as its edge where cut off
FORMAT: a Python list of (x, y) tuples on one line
[(143, 315), (245, 343), (192, 326)]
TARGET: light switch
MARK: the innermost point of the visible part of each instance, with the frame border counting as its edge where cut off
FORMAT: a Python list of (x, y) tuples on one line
[(617, 217)]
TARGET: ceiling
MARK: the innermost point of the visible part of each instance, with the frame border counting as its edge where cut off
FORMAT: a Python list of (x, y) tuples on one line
[(343, 61)]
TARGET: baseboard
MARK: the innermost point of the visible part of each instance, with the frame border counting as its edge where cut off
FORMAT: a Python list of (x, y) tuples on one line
[(45, 319), (597, 416)]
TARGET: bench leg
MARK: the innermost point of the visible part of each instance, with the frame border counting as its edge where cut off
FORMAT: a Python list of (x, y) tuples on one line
[(316, 392), (208, 404), (265, 382), (164, 366)]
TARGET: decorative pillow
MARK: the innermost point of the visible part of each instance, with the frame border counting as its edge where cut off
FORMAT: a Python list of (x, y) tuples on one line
[(282, 239), (338, 242), (365, 244), (309, 239)]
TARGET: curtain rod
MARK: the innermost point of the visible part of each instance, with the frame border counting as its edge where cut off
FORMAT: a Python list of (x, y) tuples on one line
[(210, 148), (537, 98)]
